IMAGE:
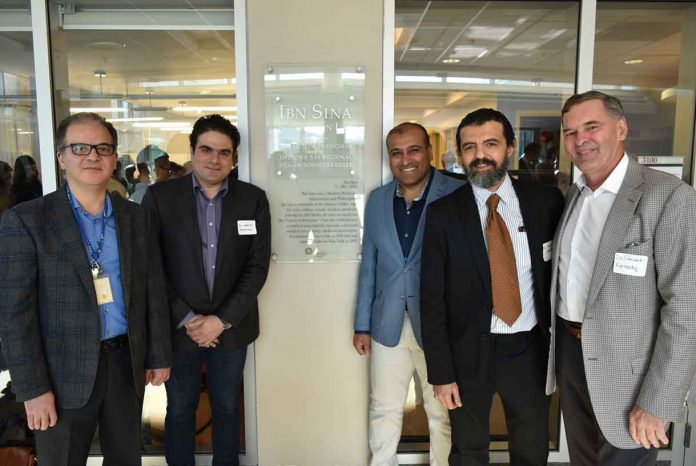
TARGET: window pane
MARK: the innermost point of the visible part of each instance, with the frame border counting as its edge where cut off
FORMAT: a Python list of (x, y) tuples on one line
[(19, 138), (152, 68), (645, 54), (452, 57)]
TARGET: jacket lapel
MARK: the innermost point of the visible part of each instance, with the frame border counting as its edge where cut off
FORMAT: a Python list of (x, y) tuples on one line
[(389, 221), (189, 222), (534, 239), (124, 231), (571, 200), (614, 232), (470, 223), (437, 190), (65, 224)]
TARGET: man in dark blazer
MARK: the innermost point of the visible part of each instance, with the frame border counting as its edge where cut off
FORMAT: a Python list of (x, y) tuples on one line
[(215, 235), (485, 296), (83, 313)]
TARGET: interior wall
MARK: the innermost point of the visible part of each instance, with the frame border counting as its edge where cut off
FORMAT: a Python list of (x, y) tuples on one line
[(312, 388)]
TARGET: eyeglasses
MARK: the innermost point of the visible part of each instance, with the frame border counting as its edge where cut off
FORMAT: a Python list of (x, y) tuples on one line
[(81, 148)]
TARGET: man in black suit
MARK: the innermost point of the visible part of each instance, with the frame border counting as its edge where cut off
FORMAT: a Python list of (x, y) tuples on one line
[(83, 314), (215, 235), (485, 296)]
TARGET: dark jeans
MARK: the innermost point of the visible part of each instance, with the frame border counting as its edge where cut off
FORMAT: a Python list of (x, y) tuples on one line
[(224, 378), (113, 405)]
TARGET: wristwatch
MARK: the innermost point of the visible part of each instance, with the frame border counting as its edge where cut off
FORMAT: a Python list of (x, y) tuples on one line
[(225, 325)]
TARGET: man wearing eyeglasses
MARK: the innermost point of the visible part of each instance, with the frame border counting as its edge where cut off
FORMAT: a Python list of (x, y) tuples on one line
[(83, 312), (216, 241)]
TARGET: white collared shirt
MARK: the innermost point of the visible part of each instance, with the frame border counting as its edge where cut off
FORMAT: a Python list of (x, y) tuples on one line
[(509, 210), (580, 241)]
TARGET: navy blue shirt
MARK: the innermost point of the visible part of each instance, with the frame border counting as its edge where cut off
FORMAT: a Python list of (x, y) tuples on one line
[(112, 316), (407, 217)]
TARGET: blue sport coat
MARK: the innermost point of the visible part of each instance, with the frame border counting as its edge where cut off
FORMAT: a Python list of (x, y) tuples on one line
[(389, 283)]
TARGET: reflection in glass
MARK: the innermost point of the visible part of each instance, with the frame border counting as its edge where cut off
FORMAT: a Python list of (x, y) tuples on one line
[(152, 69), (452, 57), (18, 126), (645, 54)]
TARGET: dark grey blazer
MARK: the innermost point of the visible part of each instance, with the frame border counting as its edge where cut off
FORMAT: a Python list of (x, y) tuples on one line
[(241, 266), (49, 319)]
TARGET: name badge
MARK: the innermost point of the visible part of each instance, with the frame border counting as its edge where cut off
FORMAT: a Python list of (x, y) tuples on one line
[(547, 250), (246, 227), (630, 264), (102, 286)]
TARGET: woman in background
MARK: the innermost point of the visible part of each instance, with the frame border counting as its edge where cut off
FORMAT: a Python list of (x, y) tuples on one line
[(26, 184)]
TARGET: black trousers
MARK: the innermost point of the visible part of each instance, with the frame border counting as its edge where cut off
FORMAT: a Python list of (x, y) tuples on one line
[(113, 405), (586, 444), (514, 366)]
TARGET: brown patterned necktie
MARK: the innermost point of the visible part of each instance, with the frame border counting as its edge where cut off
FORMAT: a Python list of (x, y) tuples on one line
[(501, 256)]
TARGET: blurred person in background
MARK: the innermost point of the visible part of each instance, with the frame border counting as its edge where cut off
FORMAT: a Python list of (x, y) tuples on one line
[(26, 184)]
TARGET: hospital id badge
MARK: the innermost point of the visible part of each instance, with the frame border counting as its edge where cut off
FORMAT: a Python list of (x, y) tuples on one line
[(102, 286)]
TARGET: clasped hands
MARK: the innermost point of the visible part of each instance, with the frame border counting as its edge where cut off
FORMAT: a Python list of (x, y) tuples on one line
[(204, 330)]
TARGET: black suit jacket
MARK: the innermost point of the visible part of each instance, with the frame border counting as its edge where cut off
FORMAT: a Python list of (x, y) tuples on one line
[(456, 297), (241, 265), (49, 319)]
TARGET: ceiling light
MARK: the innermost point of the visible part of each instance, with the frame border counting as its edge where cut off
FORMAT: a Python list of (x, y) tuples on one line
[(163, 124), (633, 62), (98, 109), (204, 109), (119, 120), (418, 79), (450, 61)]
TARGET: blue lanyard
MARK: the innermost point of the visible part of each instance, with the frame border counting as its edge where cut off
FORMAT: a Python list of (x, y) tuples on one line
[(94, 253)]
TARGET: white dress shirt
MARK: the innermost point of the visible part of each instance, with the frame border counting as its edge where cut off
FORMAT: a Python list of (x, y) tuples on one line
[(580, 241), (509, 210)]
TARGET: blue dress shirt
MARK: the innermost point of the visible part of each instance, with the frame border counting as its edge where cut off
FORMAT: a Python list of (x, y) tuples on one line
[(112, 316)]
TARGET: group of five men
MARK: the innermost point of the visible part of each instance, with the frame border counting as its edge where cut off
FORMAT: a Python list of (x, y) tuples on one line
[(502, 286), (486, 287)]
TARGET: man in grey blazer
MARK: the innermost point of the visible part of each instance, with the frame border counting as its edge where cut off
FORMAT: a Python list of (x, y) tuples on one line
[(623, 300), (84, 320), (387, 319)]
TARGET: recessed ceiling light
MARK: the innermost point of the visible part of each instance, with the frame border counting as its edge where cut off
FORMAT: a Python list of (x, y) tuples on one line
[(633, 62), (450, 60)]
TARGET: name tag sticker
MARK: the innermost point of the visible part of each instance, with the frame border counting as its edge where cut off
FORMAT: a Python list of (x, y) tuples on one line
[(102, 287), (630, 264), (547, 250), (246, 227)]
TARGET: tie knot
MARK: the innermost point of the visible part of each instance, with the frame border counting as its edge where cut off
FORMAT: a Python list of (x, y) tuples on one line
[(492, 202)]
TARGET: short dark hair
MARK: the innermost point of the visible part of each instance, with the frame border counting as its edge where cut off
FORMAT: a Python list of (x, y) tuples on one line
[(215, 123), (612, 105), (143, 168), (84, 117), (479, 118), (402, 127)]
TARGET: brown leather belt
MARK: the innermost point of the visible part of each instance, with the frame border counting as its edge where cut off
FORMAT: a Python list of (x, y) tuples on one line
[(574, 328), (114, 343)]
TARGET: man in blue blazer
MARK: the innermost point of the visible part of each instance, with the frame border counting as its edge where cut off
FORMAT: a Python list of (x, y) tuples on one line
[(387, 320)]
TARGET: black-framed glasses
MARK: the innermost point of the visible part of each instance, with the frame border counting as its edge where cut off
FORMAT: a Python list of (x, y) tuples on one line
[(82, 148)]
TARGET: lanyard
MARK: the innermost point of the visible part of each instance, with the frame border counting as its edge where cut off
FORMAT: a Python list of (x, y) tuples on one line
[(94, 253)]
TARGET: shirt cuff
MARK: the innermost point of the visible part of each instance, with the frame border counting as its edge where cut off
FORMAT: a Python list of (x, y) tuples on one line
[(186, 319)]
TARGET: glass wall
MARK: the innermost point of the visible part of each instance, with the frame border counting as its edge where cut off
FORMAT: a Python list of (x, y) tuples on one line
[(152, 68), (645, 54), (19, 155), (452, 57)]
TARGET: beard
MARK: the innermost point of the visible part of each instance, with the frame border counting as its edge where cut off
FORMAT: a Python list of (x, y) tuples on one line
[(488, 178)]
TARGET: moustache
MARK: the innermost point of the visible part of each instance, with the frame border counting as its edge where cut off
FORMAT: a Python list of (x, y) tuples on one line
[(482, 161)]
